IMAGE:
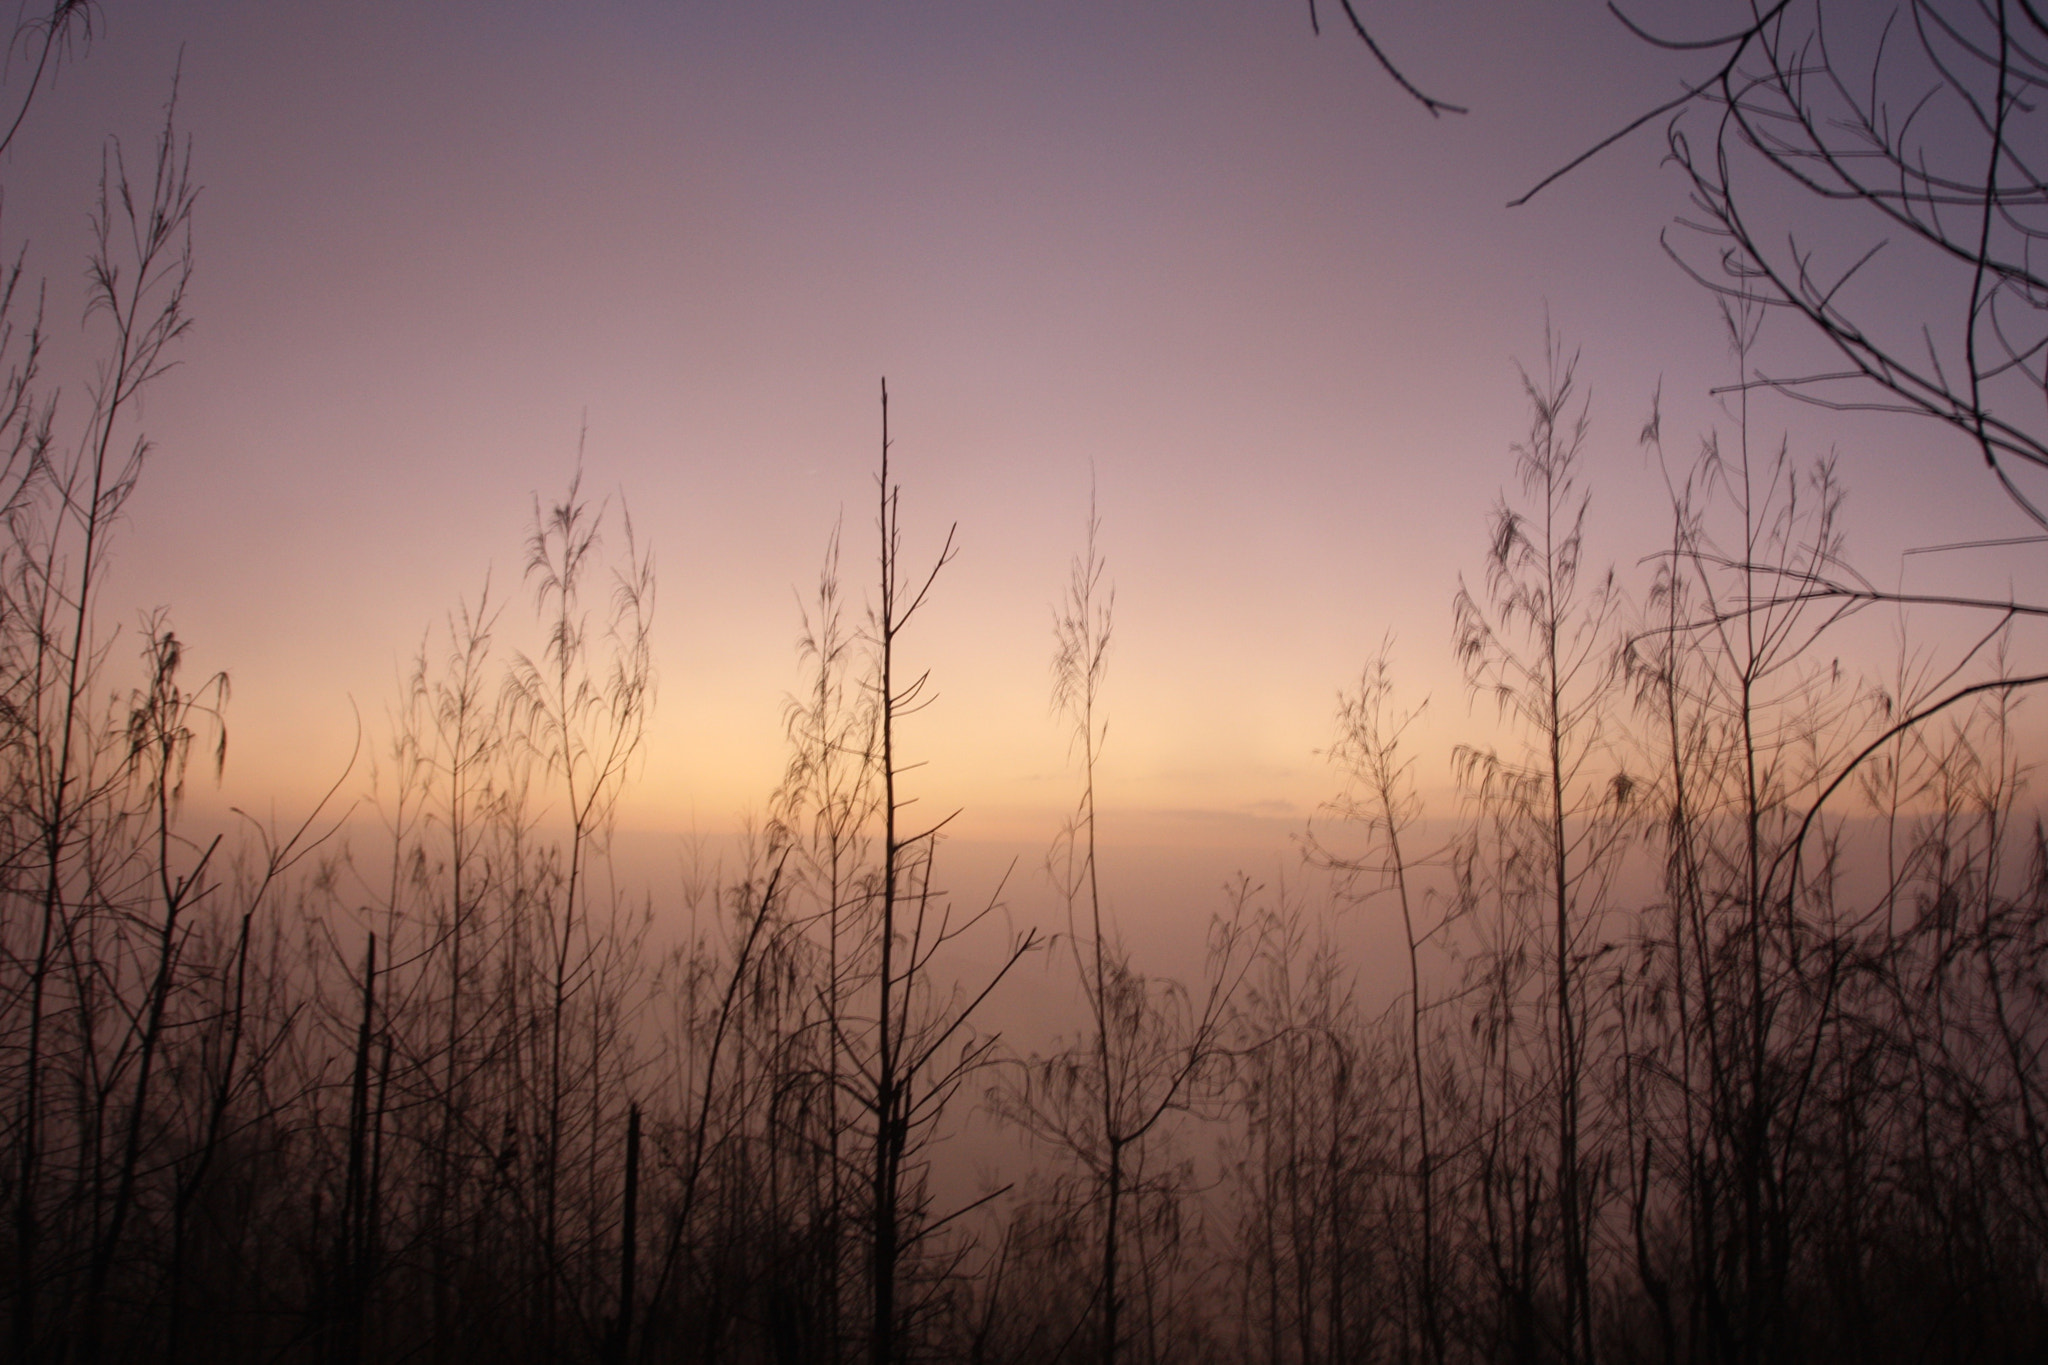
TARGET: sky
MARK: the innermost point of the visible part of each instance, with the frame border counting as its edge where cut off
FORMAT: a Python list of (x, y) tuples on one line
[(1190, 259)]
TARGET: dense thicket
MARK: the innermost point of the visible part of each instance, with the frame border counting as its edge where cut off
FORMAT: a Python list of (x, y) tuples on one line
[(1721, 1040)]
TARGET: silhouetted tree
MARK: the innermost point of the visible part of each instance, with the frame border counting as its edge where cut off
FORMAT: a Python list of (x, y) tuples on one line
[(908, 1081), (1541, 646), (1153, 1048), (1380, 794), (85, 786)]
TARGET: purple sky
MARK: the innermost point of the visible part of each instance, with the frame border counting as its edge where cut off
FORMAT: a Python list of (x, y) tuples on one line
[(1191, 250)]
